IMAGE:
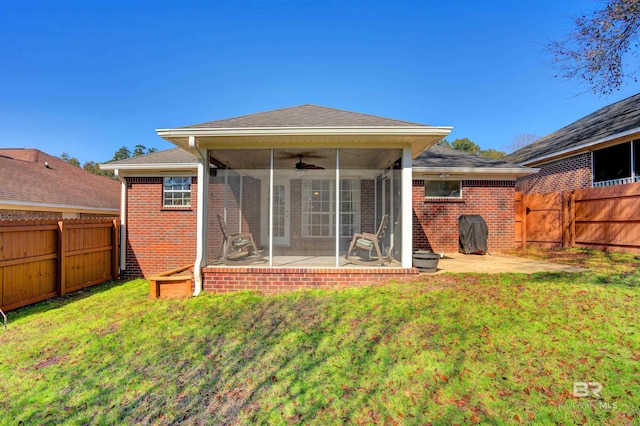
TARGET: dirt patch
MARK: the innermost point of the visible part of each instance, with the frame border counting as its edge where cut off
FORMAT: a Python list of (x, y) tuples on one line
[(47, 362)]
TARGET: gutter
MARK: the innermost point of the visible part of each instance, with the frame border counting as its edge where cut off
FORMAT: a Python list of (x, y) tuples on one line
[(21, 205), (300, 131), (493, 171)]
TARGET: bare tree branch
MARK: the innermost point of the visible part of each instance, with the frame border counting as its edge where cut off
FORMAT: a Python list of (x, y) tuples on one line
[(595, 51)]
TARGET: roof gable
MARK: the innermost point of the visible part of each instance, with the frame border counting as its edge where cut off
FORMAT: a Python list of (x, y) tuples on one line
[(304, 116), (605, 123), (32, 176)]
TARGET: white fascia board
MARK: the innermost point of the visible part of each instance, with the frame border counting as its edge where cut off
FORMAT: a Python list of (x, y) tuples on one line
[(575, 149), (306, 131), (153, 166), (33, 206), (502, 173)]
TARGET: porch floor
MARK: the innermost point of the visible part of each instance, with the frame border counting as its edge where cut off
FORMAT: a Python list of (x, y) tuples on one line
[(307, 261)]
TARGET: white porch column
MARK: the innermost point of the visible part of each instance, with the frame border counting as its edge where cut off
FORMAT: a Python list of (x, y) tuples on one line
[(201, 213), (407, 209)]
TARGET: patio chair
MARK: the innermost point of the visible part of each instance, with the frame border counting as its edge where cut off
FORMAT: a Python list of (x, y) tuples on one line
[(369, 242), (237, 249)]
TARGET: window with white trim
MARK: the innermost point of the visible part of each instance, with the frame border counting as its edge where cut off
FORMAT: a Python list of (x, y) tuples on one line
[(318, 207), (176, 192), (616, 165), (443, 188)]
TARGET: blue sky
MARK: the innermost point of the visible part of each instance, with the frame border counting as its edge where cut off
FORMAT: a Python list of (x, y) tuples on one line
[(89, 77)]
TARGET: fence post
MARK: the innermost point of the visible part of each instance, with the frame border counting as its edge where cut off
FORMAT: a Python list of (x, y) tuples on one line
[(572, 219), (62, 248), (564, 221), (523, 223), (115, 250)]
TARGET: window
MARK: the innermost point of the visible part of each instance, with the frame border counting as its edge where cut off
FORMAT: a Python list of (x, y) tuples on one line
[(318, 207), (443, 188), (176, 191), (612, 163)]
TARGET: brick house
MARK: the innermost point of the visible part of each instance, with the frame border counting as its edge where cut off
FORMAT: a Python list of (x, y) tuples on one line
[(34, 184), (601, 149), (303, 181)]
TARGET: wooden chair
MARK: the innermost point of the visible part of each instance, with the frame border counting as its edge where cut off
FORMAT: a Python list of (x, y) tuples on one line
[(369, 242), (237, 249)]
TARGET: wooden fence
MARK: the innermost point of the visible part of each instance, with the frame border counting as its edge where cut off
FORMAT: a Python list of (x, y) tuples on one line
[(602, 218), (40, 259)]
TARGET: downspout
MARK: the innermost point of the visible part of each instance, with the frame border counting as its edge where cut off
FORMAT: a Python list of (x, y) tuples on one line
[(123, 220), (201, 214)]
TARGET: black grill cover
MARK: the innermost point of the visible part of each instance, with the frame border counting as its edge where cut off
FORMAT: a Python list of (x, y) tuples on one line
[(473, 234)]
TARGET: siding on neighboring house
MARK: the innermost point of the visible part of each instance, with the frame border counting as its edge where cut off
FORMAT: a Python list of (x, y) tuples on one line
[(435, 221), (565, 174)]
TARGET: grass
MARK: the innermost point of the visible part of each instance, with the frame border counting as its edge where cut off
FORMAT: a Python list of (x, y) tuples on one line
[(447, 349)]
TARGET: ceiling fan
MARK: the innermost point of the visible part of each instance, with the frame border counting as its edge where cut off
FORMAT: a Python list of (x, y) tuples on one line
[(301, 165)]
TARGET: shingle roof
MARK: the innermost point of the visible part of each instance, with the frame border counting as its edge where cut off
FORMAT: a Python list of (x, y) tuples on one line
[(604, 123), (440, 156), (24, 177), (305, 116), (169, 156)]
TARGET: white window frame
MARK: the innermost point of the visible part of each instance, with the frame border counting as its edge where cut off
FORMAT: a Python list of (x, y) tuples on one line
[(181, 188), (306, 212), (443, 196)]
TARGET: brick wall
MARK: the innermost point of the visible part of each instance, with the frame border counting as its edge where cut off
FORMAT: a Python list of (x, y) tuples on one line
[(158, 239), (435, 221), (565, 174), (277, 280)]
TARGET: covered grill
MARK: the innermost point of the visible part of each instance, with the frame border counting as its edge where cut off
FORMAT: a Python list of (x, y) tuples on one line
[(473, 234)]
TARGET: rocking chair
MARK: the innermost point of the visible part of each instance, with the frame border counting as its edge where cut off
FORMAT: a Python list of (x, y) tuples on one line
[(237, 249), (369, 242)]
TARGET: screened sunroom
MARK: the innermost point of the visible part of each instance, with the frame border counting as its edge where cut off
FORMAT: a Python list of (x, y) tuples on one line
[(298, 193), (305, 207)]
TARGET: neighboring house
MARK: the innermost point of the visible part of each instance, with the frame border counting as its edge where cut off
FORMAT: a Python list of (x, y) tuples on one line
[(303, 181), (34, 184), (601, 149)]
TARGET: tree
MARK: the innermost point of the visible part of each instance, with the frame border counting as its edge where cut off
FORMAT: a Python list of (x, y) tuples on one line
[(93, 167), (521, 141), (595, 50), (465, 145), (122, 154), (445, 143), (71, 160), (492, 153)]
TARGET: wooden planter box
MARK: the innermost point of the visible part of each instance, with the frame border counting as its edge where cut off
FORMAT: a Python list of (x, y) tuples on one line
[(171, 284)]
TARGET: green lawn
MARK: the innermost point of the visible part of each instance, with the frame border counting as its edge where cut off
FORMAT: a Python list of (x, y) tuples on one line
[(447, 349)]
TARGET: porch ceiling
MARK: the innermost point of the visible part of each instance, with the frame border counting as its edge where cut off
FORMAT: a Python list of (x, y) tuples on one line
[(286, 159)]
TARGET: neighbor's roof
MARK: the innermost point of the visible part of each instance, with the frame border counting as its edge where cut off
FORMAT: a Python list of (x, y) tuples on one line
[(439, 159), (305, 116), (31, 177), (605, 124)]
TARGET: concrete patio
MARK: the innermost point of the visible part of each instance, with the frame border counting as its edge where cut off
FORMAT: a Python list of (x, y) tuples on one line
[(497, 263)]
